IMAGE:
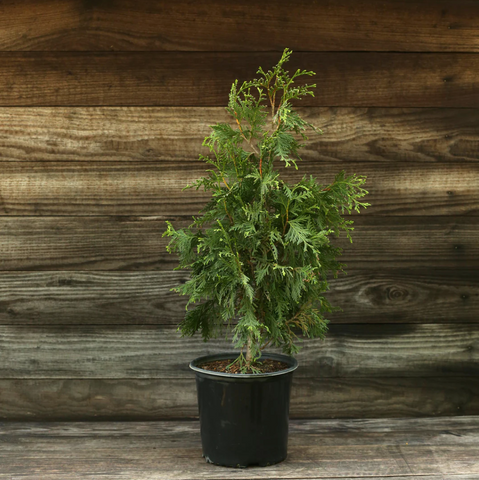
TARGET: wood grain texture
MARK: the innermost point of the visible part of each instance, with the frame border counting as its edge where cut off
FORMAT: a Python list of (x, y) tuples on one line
[(83, 243), (153, 399), (101, 399), (91, 298), (147, 188), (187, 475), (372, 431), (406, 296), (135, 161), (407, 242), (135, 243), (204, 79), (143, 451), (131, 298), (324, 25), (403, 350), (406, 136)]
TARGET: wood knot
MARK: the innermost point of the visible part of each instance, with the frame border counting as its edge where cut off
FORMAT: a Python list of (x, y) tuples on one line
[(397, 294)]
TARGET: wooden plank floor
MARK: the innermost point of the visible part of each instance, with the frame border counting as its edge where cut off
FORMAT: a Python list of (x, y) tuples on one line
[(421, 448)]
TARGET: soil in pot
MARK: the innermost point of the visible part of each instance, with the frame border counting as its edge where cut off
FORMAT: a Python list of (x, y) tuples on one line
[(226, 366)]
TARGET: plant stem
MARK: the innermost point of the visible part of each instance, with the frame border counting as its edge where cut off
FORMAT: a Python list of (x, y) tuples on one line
[(243, 135), (249, 350), (266, 345), (287, 219), (228, 213)]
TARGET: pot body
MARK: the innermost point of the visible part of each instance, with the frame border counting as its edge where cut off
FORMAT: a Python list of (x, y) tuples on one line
[(244, 418)]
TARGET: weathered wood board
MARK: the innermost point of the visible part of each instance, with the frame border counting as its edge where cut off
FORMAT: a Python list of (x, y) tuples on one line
[(133, 298), (52, 188), (153, 399), (426, 449), (419, 431), (136, 161), (158, 351), (349, 79), (135, 243), (103, 109), (402, 136), (322, 25)]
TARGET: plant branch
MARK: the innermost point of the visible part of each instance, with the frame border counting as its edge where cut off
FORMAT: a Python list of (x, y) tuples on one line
[(228, 213), (244, 136), (224, 181)]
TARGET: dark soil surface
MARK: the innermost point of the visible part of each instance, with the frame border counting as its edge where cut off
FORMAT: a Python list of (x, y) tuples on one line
[(266, 366)]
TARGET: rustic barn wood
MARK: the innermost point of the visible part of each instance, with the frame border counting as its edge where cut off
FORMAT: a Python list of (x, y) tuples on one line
[(103, 109), (145, 351), (172, 78), (148, 188), (426, 449), (330, 26), (153, 399), (403, 136), (135, 243), (333, 432), (132, 161), (409, 296), (92, 297), (84, 243), (95, 298)]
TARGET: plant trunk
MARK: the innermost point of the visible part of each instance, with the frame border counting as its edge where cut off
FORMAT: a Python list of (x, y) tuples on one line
[(249, 350)]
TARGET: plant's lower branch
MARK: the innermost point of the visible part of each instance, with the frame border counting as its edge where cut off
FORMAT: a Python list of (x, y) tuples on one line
[(249, 350), (267, 344)]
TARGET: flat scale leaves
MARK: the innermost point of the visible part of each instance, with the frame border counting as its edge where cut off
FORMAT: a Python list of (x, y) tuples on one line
[(259, 255)]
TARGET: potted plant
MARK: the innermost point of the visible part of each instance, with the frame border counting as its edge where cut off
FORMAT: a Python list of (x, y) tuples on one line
[(259, 258)]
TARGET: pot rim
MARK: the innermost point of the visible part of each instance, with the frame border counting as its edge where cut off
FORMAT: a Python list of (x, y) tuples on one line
[(291, 361)]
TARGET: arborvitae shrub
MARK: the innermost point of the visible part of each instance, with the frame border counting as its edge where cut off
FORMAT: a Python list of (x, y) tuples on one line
[(259, 254)]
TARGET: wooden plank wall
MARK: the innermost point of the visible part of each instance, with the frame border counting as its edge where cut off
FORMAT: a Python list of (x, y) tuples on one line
[(103, 107)]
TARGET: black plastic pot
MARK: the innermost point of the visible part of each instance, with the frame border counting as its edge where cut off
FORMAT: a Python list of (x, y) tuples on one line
[(244, 417)]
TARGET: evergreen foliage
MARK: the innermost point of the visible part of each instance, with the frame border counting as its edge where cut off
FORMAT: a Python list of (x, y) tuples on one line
[(260, 254)]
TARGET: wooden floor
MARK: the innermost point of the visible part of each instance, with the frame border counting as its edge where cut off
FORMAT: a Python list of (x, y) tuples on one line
[(426, 449)]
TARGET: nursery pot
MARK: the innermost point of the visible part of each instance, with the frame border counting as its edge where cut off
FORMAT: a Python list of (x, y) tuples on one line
[(244, 417)]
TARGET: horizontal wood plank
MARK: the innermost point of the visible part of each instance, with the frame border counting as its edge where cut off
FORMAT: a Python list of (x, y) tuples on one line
[(91, 298), (407, 242), (193, 474), (406, 136), (135, 161), (135, 243), (367, 431), (147, 188), (69, 298), (51, 188), (154, 399), (308, 26), (398, 350), (406, 296), (84, 243), (141, 454), (172, 78)]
